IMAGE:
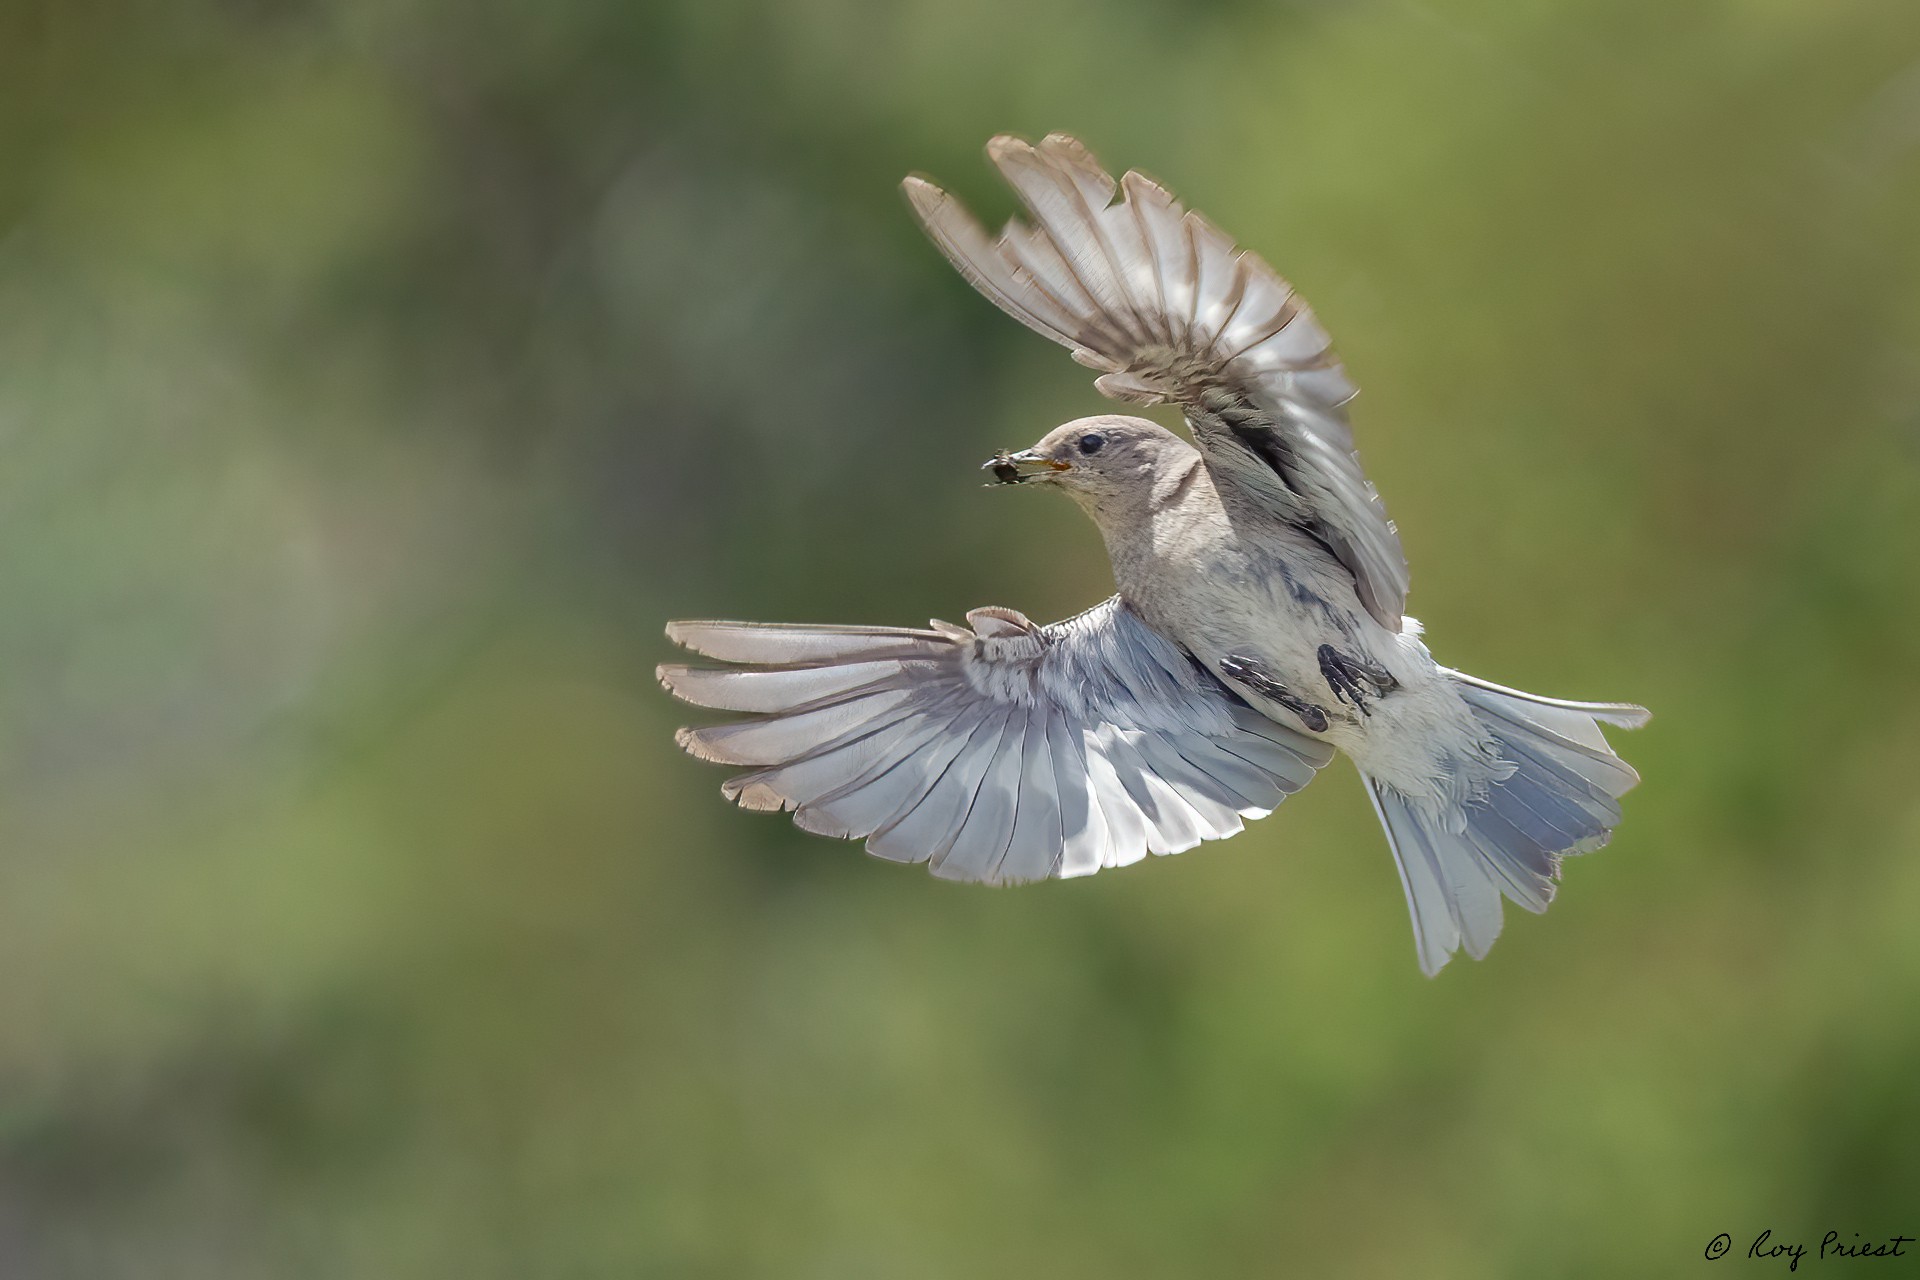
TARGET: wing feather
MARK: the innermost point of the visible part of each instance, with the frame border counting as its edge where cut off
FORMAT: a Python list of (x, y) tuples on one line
[(1039, 827), (1084, 846), (1127, 826), (817, 776), (893, 776), (983, 837), (1004, 753), (927, 826), (778, 644)]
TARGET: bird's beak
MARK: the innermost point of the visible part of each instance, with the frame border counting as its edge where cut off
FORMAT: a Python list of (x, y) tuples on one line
[(1018, 468)]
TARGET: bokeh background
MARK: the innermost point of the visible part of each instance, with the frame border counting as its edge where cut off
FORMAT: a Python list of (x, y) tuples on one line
[(377, 376)]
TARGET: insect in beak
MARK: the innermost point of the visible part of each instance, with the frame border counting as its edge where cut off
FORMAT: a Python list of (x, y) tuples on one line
[(1018, 468)]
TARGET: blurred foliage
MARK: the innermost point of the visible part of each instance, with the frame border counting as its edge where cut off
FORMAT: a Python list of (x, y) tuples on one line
[(376, 376)]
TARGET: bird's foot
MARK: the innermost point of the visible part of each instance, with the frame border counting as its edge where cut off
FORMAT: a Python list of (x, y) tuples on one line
[(1352, 678), (1256, 676)]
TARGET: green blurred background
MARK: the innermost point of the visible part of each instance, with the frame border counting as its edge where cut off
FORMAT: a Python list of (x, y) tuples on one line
[(377, 376)]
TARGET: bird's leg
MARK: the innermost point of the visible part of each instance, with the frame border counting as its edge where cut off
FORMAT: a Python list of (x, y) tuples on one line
[(1346, 677), (1258, 677)]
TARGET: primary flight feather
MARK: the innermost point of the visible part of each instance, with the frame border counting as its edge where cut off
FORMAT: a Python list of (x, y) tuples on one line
[(1259, 624)]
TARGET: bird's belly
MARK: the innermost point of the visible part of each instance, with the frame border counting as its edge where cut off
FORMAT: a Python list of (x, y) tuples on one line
[(1281, 615), (1285, 641), (1272, 611)]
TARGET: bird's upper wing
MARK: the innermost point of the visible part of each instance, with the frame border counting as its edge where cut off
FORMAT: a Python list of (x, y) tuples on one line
[(1003, 753), (1167, 308)]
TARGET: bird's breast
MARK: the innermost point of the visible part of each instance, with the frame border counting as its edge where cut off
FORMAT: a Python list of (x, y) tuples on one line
[(1220, 596), (1277, 596)]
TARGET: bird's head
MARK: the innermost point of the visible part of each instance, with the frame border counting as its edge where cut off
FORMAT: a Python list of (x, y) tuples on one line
[(1100, 462)]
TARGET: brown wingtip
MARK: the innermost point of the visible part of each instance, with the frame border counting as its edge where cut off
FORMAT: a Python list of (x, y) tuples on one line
[(1074, 151), (697, 744), (1136, 183), (922, 194), (1002, 145), (749, 792)]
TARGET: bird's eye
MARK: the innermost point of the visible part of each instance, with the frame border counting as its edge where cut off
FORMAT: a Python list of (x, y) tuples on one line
[(1092, 442)]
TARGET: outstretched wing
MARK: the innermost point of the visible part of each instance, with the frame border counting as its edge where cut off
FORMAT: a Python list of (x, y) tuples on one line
[(1167, 308), (1004, 753)]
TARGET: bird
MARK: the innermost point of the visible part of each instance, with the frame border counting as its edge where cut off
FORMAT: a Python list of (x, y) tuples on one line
[(1258, 625)]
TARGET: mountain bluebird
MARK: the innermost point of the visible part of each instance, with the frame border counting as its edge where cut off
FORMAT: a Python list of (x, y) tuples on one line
[(1259, 624)]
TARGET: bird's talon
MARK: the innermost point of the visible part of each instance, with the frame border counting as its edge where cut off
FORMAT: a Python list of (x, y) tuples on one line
[(1255, 675), (1344, 675)]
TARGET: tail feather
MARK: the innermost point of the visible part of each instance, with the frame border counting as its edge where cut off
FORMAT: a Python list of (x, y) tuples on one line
[(1512, 702), (1561, 797), (1451, 897)]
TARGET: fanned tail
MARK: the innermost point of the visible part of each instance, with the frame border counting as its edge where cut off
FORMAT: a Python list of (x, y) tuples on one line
[(1562, 797)]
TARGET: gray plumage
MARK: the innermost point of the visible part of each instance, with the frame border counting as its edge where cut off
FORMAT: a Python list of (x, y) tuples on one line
[(1259, 623), (1000, 752)]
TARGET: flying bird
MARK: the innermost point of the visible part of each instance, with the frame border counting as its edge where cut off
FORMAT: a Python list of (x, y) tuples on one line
[(1259, 624)]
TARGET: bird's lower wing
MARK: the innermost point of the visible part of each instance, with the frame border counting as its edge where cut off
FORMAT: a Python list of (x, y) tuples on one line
[(1003, 752)]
